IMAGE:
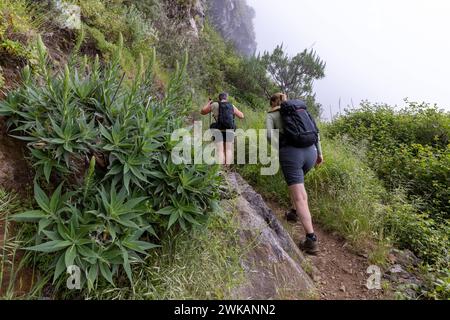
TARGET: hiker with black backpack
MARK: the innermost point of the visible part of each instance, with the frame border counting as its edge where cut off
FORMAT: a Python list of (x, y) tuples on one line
[(300, 151), (224, 114)]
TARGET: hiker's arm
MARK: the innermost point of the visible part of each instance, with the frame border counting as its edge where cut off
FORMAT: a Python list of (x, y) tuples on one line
[(319, 151), (319, 146), (238, 113), (269, 126), (206, 109)]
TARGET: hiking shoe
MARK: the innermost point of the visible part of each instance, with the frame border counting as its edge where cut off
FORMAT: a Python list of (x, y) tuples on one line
[(309, 246), (291, 215)]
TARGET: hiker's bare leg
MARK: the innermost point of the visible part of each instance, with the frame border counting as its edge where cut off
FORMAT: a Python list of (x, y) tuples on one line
[(300, 198), (292, 200), (220, 156), (229, 153)]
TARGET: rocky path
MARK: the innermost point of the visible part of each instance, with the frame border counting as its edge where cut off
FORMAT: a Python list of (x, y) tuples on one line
[(338, 272)]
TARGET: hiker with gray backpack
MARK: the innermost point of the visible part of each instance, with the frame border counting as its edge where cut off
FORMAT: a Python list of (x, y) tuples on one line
[(300, 151), (224, 113)]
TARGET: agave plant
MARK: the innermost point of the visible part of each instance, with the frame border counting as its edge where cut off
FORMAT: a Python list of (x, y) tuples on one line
[(104, 139)]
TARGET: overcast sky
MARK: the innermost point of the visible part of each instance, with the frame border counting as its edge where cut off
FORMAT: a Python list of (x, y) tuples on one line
[(379, 50)]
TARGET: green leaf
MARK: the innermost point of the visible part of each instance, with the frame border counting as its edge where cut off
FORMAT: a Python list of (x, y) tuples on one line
[(56, 197), (157, 174), (59, 268), (143, 245), (106, 272), (182, 224), (85, 251), (189, 218), (173, 218), (151, 230), (30, 216), (138, 174), (41, 198), (126, 264), (105, 133), (116, 169), (139, 246), (44, 223), (166, 211), (51, 246), (70, 255), (52, 235), (133, 203), (126, 181), (47, 170), (92, 276)]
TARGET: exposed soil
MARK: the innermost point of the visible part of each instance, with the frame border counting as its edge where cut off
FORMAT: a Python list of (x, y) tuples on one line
[(340, 272), (15, 173)]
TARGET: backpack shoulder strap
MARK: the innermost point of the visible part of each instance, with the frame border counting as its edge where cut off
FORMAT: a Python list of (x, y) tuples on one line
[(218, 110), (313, 121), (274, 110)]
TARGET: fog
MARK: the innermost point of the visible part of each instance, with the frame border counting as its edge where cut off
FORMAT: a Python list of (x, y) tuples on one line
[(376, 50)]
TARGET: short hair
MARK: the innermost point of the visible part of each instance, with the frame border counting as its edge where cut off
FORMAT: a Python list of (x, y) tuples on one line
[(223, 96)]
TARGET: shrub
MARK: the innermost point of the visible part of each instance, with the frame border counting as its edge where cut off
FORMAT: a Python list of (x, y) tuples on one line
[(416, 231), (251, 83), (106, 143), (406, 148), (16, 29), (106, 21)]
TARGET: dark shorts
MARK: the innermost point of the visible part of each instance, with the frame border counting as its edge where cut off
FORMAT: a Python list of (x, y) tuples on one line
[(296, 163), (224, 136)]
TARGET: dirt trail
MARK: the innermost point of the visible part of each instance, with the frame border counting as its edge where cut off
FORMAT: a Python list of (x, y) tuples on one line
[(340, 272), (16, 176)]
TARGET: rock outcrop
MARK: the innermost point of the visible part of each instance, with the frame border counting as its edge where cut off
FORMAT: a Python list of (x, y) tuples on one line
[(233, 19), (273, 263)]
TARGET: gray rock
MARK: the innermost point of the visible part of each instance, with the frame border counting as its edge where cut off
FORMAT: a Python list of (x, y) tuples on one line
[(405, 257), (273, 262), (396, 269)]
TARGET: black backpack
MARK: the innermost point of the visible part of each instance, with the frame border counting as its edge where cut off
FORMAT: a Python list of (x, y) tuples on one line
[(300, 129), (225, 120)]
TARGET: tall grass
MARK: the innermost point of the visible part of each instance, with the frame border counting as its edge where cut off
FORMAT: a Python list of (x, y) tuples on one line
[(14, 281)]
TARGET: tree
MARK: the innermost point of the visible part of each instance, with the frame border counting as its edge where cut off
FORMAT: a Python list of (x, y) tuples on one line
[(294, 75), (251, 82)]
